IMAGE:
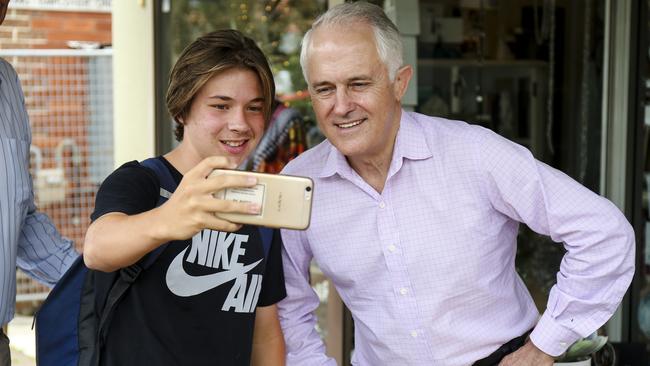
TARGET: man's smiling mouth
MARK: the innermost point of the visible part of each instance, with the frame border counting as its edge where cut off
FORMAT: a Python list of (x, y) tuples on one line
[(351, 124)]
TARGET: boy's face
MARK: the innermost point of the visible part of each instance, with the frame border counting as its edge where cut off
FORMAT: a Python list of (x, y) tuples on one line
[(226, 117)]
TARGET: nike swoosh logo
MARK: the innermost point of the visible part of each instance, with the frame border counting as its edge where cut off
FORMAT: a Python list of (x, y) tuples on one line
[(182, 284)]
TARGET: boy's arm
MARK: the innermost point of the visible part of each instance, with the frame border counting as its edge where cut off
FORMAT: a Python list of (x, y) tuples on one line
[(116, 240), (268, 342)]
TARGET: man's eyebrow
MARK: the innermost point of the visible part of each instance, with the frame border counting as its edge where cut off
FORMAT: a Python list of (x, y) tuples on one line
[(350, 80), (320, 83), (360, 77)]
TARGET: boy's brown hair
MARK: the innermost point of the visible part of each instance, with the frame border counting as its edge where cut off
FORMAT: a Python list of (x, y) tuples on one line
[(207, 56)]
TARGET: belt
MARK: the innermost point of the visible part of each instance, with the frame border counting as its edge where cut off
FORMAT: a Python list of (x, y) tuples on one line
[(507, 348)]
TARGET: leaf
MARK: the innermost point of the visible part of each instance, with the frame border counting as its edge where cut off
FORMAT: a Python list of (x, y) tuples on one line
[(585, 347)]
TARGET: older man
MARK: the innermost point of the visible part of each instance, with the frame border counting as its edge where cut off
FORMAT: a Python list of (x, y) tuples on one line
[(415, 222), (28, 238)]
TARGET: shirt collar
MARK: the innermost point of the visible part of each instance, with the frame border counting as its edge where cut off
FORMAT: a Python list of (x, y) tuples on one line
[(409, 144)]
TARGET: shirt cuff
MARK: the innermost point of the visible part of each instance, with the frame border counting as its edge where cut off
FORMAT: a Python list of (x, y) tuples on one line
[(551, 337), (69, 259)]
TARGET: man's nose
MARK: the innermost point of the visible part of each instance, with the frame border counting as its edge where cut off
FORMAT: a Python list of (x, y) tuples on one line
[(343, 103)]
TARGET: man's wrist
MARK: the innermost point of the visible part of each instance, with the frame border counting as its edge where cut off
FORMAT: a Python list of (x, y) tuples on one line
[(551, 337), (541, 353)]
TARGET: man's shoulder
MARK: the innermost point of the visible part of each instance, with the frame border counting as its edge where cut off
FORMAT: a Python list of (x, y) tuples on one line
[(458, 141), (442, 130), (4, 64), (6, 70)]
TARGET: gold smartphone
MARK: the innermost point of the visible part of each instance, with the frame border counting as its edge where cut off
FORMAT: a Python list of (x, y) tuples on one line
[(285, 200)]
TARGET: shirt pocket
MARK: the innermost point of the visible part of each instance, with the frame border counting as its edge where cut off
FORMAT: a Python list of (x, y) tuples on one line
[(14, 171)]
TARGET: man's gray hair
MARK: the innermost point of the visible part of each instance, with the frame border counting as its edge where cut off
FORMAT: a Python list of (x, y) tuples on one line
[(387, 37)]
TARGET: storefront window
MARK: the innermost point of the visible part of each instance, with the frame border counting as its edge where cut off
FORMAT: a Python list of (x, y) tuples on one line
[(641, 286), (530, 71)]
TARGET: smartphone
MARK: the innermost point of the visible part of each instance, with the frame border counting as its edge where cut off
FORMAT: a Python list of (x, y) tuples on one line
[(285, 200)]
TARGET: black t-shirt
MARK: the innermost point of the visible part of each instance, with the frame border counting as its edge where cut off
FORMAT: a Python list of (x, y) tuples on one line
[(196, 304)]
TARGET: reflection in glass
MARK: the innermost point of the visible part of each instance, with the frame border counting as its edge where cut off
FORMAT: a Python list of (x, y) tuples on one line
[(529, 71), (642, 329)]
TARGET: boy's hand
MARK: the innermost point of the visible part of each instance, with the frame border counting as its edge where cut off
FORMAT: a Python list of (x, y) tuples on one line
[(191, 207)]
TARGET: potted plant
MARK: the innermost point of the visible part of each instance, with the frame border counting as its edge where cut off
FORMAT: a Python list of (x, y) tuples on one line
[(580, 353)]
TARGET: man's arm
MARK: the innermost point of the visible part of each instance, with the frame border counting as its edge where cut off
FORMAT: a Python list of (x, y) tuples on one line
[(599, 264), (304, 345), (268, 342), (42, 252)]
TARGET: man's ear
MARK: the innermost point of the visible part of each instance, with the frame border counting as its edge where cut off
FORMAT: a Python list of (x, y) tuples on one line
[(402, 79)]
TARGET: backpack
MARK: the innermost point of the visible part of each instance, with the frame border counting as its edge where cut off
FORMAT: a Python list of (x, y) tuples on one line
[(70, 330)]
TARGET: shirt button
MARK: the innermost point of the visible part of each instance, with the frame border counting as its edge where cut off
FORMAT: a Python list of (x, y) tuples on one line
[(382, 205), (414, 334), (391, 248), (403, 291)]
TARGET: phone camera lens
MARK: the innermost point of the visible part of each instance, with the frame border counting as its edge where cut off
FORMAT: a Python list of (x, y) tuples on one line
[(308, 189)]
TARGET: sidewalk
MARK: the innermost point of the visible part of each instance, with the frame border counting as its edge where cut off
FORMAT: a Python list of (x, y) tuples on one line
[(22, 343)]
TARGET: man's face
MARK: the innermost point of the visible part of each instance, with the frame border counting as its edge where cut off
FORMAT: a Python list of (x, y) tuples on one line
[(356, 105), (3, 9)]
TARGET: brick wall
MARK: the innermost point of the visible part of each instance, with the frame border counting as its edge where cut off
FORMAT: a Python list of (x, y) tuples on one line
[(53, 29), (58, 103)]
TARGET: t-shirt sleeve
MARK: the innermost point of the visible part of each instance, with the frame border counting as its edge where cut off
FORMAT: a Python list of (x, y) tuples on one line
[(273, 289), (131, 189)]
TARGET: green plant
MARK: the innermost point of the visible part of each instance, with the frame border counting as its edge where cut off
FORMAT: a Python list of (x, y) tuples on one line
[(583, 348)]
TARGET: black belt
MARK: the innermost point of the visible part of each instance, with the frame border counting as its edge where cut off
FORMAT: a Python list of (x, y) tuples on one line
[(508, 348)]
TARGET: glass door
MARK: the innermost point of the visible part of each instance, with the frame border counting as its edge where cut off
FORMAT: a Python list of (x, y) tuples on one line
[(531, 71), (639, 347)]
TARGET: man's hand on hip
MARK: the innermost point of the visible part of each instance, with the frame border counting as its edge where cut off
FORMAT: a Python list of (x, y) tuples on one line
[(528, 355)]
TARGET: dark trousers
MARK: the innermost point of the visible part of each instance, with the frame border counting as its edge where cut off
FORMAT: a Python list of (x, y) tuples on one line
[(5, 356), (507, 348)]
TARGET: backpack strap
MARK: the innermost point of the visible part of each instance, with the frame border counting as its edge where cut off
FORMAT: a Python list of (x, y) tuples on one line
[(129, 274), (267, 239), (167, 187)]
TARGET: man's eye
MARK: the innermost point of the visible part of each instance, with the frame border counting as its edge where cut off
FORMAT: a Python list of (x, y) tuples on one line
[(359, 85), (322, 91)]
